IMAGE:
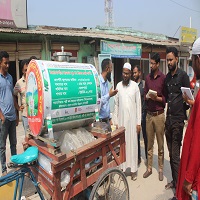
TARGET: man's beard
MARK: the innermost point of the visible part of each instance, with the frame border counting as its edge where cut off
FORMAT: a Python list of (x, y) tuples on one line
[(108, 76), (136, 79), (172, 68), (125, 82), (152, 72)]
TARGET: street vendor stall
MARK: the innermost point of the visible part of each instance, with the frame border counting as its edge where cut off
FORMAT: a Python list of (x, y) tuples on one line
[(76, 155)]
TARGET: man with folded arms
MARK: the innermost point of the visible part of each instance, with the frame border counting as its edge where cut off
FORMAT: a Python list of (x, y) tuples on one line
[(155, 119)]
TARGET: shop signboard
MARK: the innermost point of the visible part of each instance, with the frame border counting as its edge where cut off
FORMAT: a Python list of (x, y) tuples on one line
[(13, 13), (121, 50), (187, 35)]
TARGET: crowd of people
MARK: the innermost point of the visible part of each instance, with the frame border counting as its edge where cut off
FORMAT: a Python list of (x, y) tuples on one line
[(138, 105), (148, 100)]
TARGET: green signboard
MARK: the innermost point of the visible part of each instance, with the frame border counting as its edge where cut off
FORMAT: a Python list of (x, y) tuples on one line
[(72, 88), (61, 93), (121, 50)]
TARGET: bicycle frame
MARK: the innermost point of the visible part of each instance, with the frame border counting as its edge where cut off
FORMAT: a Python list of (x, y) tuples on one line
[(18, 176)]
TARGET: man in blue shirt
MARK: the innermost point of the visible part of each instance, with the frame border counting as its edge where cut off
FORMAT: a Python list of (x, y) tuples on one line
[(7, 111), (105, 77)]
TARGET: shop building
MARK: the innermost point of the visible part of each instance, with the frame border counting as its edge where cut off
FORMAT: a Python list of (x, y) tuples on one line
[(86, 46)]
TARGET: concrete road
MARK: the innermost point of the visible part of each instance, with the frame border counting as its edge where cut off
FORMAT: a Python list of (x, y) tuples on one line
[(151, 188), (141, 189)]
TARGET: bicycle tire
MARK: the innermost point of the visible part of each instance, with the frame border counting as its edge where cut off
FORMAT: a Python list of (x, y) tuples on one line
[(112, 192)]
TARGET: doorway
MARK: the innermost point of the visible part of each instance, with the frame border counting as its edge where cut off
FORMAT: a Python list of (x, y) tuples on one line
[(12, 71)]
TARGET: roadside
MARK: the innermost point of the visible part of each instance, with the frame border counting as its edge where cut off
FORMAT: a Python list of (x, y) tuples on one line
[(141, 189)]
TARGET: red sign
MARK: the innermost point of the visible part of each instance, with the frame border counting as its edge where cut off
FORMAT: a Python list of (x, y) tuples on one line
[(34, 98)]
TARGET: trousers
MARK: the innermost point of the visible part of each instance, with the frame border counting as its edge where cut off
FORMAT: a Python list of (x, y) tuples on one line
[(8, 128), (25, 123), (143, 124), (174, 135), (155, 126)]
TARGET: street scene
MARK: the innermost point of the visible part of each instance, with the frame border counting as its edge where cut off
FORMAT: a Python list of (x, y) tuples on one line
[(154, 189), (99, 100)]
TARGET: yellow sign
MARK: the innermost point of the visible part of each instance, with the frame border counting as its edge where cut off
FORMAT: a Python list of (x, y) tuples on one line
[(188, 35), (7, 191)]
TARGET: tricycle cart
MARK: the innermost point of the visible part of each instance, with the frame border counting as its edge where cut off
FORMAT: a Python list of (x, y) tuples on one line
[(64, 96), (108, 181)]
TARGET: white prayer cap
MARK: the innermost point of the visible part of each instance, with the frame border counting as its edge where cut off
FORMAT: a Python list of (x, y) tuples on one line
[(196, 47), (127, 66)]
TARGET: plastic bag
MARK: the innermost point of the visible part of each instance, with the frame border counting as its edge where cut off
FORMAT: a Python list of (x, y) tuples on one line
[(44, 162), (65, 178)]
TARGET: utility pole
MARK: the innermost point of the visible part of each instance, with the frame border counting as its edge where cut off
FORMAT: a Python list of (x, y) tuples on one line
[(109, 13)]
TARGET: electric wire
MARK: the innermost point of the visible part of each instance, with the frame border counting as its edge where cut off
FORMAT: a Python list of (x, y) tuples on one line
[(185, 6)]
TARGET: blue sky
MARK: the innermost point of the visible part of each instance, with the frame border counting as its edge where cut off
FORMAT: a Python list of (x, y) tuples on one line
[(156, 16)]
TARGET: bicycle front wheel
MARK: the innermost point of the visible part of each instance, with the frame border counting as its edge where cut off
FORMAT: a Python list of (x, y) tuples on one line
[(111, 185)]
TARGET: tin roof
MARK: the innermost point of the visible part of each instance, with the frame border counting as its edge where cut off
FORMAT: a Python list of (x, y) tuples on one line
[(117, 34)]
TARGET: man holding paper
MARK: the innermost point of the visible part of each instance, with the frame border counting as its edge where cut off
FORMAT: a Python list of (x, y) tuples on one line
[(187, 96), (188, 186), (187, 92), (155, 119), (176, 111)]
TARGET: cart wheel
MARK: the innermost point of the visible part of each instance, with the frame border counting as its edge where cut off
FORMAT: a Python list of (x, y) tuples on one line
[(111, 185)]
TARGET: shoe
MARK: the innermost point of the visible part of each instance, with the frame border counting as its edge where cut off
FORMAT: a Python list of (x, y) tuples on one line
[(147, 173), (4, 173), (160, 176), (134, 176), (174, 198), (169, 186)]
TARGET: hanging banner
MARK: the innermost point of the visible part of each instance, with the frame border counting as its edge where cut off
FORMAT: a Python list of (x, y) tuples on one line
[(121, 50)]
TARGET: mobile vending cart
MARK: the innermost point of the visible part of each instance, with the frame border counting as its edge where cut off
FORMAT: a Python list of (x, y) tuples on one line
[(63, 96)]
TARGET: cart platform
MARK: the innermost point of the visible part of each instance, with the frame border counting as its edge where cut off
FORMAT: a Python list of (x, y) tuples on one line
[(109, 146)]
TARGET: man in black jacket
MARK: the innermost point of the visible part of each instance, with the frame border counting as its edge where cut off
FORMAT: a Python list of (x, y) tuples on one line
[(176, 111)]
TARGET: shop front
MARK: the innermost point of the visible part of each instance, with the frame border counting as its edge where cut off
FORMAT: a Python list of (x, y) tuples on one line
[(19, 51), (120, 53)]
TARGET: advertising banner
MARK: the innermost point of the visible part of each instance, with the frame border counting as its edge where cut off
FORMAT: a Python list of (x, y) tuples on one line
[(13, 13), (188, 35), (65, 92), (121, 50)]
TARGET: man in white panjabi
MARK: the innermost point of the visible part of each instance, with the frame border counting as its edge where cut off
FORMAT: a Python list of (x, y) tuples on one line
[(127, 113)]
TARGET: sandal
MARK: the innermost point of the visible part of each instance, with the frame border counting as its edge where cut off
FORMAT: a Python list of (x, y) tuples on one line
[(133, 176), (169, 185)]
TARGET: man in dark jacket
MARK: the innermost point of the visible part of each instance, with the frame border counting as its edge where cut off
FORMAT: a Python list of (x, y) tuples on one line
[(176, 111)]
